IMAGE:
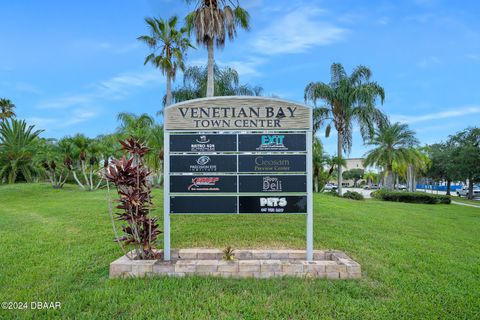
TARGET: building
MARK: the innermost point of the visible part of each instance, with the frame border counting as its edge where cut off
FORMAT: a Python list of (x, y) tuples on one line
[(353, 163)]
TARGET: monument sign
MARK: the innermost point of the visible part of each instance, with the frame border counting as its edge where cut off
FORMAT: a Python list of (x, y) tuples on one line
[(238, 155)]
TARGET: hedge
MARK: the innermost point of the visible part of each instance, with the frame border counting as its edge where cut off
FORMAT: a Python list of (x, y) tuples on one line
[(410, 197), (353, 195)]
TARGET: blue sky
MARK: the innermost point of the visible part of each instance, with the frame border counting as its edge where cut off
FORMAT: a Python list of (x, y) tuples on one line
[(72, 66)]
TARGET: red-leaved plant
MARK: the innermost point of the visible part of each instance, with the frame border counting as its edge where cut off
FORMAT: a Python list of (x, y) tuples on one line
[(129, 175)]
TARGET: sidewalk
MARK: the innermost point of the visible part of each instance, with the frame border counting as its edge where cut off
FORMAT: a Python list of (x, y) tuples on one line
[(466, 204)]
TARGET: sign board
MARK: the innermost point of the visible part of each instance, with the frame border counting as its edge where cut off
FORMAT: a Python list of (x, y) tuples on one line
[(203, 163), (203, 143), (272, 163), (237, 113), (273, 204), (238, 155), (203, 184), (272, 142), (272, 183)]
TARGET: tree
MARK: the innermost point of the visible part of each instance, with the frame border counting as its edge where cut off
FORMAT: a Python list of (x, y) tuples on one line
[(418, 168), (137, 127), (144, 129), (393, 143), (442, 165), (353, 174), (466, 155), (83, 154), (6, 109), (168, 46), (319, 159), (154, 158), (349, 99), (54, 159), (212, 21), (370, 177), (227, 83), (18, 145)]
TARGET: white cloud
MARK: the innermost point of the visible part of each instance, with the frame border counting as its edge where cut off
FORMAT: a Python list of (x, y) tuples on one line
[(437, 115), (75, 117), (78, 108), (473, 56), (297, 31), (27, 88), (428, 62), (115, 88), (88, 45), (245, 68)]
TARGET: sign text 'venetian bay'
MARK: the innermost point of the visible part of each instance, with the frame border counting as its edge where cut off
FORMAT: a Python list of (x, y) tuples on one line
[(242, 113), (238, 155)]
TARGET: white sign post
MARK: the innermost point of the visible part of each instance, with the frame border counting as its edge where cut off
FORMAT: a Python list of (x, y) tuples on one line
[(238, 155)]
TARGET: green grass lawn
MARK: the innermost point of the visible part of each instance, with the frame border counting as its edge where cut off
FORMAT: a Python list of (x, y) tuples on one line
[(467, 201), (418, 261)]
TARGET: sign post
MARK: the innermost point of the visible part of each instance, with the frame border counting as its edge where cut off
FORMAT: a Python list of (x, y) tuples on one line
[(238, 155)]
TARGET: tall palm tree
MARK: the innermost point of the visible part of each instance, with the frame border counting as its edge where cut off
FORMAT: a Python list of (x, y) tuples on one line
[(213, 21), (370, 177), (227, 83), (154, 158), (138, 127), (394, 144), (18, 145), (144, 128), (51, 159), (6, 109), (168, 45), (348, 100)]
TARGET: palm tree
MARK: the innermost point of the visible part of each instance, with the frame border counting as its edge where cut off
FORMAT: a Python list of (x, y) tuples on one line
[(137, 127), (18, 145), (394, 144), (51, 158), (171, 46), (318, 161), (6, 109), (212, 21), (227, 83), (154, 158), (348, 99), (83, 157), (370, 177)]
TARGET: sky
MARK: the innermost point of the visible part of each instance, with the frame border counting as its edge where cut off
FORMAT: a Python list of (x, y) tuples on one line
[(71, 66)]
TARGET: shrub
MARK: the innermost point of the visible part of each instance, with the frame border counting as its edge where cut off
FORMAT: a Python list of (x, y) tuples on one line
[(228, 254), (353, 195), (129, 175), (332, 193), (410, 197)]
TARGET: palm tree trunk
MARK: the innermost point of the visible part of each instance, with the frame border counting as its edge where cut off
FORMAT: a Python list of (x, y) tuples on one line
[(449, 184), (340, 167), (470, 188), (210, 75), (389, 178), (410, 178), (78, 181), (169, 89)]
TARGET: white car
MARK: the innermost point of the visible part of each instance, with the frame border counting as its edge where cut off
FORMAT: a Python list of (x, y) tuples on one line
[(330, 187), (464, 192), (401, 187)]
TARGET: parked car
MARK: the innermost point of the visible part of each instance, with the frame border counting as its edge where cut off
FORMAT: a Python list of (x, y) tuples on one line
[(371, 187), (463, 192), (330, 187), (401, 187)]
